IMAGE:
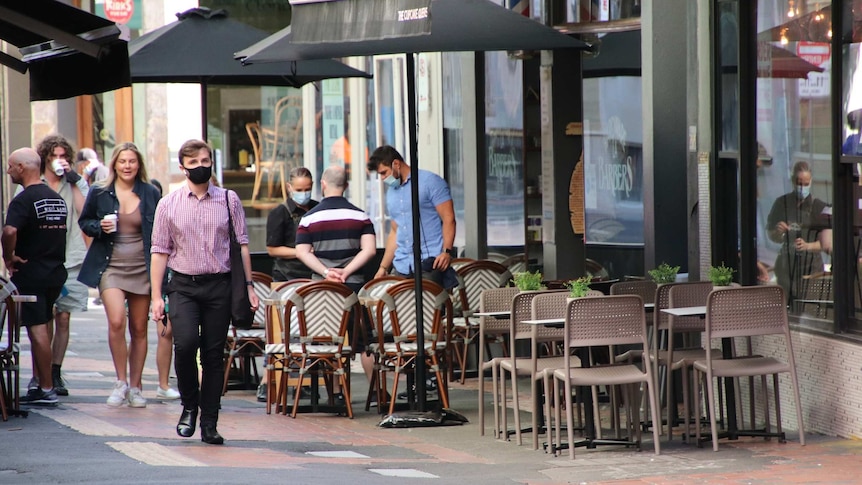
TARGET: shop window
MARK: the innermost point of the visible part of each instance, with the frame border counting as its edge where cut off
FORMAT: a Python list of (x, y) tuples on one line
[(794, 167)]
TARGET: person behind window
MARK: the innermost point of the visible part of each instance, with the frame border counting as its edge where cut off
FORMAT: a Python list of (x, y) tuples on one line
[(851, 145), (795, 221)]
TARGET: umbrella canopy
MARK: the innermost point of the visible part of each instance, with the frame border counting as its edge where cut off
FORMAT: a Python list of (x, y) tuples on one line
[(784, 64), (199, 47), (322, 30), (619, 54), (56, 40), (343, 28)]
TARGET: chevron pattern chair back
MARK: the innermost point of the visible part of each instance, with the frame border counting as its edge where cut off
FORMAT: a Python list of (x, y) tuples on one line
[(323, 309)]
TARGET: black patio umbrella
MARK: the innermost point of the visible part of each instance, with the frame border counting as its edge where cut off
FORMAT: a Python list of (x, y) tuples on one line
[(619, 54), (345, 28), (57, 40), (199, 47)]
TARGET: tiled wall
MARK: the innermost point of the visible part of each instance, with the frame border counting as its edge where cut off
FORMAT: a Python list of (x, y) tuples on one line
[(830, 380)]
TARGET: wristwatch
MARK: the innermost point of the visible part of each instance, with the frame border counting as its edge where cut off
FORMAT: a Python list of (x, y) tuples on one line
[(451, 252), (249, 283)]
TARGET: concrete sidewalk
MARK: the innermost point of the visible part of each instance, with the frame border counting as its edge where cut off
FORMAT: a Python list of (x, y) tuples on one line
[(84, 441)]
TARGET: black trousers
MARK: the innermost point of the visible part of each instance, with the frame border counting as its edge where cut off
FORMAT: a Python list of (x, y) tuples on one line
[(200, 315)]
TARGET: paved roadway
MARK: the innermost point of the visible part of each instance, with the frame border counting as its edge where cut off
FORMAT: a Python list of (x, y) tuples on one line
[(84, 441)]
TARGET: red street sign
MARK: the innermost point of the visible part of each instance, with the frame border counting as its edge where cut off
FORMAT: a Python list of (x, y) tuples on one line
[(119, 11), (816, 53)]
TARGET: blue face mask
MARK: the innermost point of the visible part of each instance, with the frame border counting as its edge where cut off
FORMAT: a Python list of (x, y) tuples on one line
[(392, 181), (301, 198), (803, 191)]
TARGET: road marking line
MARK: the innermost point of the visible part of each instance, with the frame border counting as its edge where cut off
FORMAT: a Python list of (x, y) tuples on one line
[(153, 454), (337, 454), (83, 423), (402, 473)]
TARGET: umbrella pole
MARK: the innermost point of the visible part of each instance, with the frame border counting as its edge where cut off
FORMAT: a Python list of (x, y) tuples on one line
[(417, 246), (204, 113)]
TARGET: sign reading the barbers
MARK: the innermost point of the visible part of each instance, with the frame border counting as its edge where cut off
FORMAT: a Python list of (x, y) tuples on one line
[(119, 11)]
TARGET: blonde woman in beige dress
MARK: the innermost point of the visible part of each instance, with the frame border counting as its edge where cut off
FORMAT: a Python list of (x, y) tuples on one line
[(118, 264)]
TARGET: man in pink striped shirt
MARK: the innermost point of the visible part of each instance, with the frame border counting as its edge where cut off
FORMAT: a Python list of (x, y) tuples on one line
[(191, 237)]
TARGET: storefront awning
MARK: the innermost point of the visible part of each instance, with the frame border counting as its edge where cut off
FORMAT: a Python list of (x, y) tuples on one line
[(68, 51)]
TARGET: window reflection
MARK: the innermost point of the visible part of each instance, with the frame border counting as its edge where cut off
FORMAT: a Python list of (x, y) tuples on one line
[(504, 139), (613, 146), (794, 172), (453, 135)]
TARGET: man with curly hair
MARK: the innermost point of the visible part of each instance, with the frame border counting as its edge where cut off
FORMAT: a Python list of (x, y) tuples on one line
[(59, 174)]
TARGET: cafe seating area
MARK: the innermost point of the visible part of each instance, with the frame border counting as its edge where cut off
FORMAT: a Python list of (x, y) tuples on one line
[(603, 369)]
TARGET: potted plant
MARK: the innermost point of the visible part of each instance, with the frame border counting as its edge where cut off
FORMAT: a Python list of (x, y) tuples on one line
[(721, 275), (527, 281), (664, 273), (578, 288)]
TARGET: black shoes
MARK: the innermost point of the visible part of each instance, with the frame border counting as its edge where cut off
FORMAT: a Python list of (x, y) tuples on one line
[(209, 435), (40, 397), (186, 425), (60, 386)]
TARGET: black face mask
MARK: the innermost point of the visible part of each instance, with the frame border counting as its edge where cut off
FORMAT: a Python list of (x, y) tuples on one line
[(199, 175)]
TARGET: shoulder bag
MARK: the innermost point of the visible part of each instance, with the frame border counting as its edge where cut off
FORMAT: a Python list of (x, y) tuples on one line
[(240, 307)]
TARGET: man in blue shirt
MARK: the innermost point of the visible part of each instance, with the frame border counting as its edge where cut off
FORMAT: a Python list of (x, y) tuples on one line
[(436, 217)]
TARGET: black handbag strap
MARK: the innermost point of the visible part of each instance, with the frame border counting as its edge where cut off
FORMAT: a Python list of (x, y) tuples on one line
[(229, 218)]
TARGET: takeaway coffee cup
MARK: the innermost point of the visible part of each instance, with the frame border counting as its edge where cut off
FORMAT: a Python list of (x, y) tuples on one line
[(113, 219), (58, 168)]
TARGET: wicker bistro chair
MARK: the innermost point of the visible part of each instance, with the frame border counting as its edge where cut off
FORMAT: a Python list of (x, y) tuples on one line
[(324, 313), (750, 311), (369, 296), (277, 336), (243, 346), (477, 277), (682, 358), (492, 300), (400, 303), (605, 321), (10, 349)]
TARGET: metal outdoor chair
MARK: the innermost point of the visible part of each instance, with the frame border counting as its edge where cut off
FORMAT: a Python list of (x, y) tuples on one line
[(751, 311), (280, 329), (516, 263), (369, 295), (275, 147), (492, 300), (525, 306), (10, 349), (605, 321), (242, 347), (324, 310), (399, 302), (477, 277), (682, 357)]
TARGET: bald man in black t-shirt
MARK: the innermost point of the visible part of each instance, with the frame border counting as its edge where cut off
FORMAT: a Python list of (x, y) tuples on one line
[(34, 250)]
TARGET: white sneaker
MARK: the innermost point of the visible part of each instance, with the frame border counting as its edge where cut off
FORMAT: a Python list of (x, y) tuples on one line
[(120, 394), (168, 394), (136, 399)]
